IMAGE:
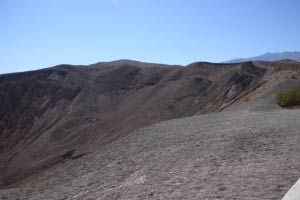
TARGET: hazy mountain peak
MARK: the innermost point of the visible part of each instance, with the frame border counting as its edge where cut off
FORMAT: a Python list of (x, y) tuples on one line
[(291, 55)]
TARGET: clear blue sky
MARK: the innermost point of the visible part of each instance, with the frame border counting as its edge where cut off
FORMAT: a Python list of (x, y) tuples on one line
[(42, 33)]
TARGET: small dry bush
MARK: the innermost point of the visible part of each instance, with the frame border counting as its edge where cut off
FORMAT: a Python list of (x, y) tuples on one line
[(289, 98), (246, 99)]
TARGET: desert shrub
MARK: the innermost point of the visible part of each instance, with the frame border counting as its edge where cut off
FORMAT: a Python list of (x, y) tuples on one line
[(289, 98), (246, 99)]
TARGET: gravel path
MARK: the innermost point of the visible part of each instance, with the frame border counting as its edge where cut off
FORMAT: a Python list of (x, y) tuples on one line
[(248, 154)]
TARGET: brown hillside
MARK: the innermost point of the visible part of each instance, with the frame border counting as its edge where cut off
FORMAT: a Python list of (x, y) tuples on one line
[(59, 113)]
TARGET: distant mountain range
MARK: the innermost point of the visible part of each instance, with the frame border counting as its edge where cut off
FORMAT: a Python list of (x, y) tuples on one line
[(292, 55)]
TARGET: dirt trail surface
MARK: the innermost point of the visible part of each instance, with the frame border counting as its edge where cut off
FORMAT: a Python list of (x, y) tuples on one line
[(77, 132)]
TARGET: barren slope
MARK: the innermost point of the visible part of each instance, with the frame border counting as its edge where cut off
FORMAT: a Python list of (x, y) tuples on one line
[(52, 117), (248, 153)]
